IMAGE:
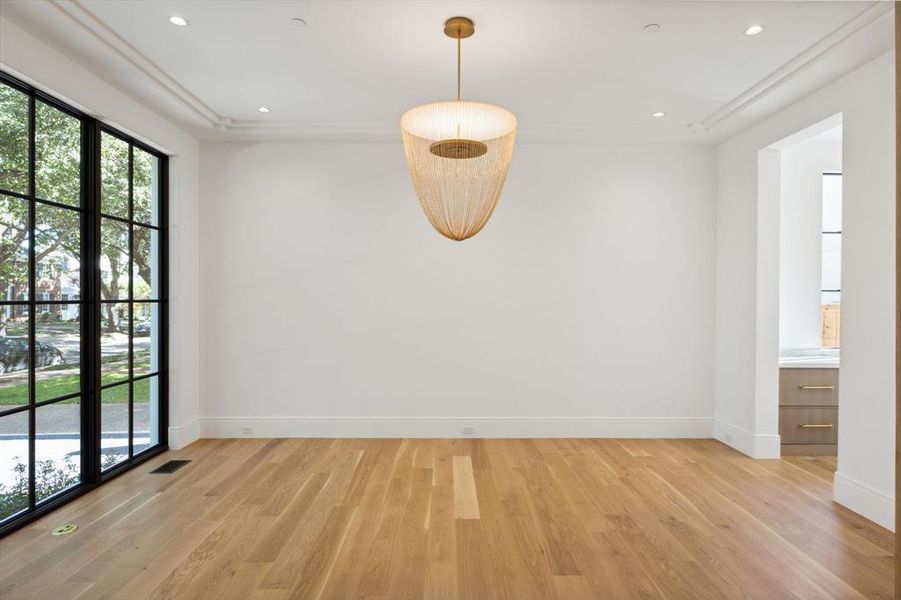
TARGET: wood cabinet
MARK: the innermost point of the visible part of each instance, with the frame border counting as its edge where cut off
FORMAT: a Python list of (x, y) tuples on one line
[(808, 411)]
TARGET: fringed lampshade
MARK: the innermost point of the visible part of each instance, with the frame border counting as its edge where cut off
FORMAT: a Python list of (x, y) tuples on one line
[(458, 153)]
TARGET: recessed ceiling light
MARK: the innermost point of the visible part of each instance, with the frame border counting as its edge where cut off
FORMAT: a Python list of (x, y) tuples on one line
[(651, 27), (754, 30), (263, 109), (659, 114), (178, 21)]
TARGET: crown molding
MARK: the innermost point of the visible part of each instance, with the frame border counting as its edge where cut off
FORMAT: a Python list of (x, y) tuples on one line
[(793, 67), (528, 132), (78, 13), (365, 130), (769, 84)]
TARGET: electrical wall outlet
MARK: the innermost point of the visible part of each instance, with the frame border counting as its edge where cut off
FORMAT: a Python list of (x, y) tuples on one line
[(247, 431), (469, 431)]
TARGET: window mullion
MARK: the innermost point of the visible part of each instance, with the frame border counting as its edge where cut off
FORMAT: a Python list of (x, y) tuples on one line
[(131, 298), (32, 177), (90, 307)]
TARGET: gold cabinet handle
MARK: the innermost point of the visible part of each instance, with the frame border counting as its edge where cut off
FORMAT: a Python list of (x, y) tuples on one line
[(816, 387), (816, 425)]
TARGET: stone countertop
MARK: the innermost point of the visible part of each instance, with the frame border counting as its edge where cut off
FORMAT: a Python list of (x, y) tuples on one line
[(814, 358)]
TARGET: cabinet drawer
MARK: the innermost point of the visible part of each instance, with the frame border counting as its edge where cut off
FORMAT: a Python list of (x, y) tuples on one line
[(808, 387), (808, 424), (809, 449)]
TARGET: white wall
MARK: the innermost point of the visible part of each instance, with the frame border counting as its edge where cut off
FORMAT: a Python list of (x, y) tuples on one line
[(745, 348), (332, 308), (586, 307), (801, 240), (24, 55)]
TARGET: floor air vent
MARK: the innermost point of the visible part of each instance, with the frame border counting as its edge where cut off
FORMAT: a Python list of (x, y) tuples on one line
[(171, 466)]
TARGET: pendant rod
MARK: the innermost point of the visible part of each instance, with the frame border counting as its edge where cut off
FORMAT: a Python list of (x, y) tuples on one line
[(459, 28), (459, 39)]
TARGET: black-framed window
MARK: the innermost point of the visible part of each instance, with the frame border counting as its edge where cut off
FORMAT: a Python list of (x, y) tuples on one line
[(82, 302), (831, 272)]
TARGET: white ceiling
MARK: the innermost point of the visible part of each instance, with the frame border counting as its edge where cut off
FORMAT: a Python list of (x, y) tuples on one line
[(580, 71)]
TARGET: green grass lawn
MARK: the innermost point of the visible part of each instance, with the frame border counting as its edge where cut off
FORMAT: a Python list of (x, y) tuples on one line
[(68, 384), (20, 328)]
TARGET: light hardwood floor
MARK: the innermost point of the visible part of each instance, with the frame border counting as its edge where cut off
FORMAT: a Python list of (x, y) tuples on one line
[(273, 519)]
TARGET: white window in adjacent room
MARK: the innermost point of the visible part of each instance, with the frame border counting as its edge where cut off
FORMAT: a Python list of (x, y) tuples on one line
[(831, 287)]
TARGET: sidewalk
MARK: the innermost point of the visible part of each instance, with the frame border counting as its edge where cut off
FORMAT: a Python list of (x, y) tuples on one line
[(66, 418)]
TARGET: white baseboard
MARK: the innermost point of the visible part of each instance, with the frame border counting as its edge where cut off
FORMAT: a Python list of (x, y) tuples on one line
[(865, 500), (438, 427), (754, 445), (182, 435)]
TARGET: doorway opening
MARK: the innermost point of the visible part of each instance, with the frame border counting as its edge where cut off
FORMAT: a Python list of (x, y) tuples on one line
[(810, 236)]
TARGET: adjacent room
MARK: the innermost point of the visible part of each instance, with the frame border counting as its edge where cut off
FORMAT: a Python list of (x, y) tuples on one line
[(463, 300)]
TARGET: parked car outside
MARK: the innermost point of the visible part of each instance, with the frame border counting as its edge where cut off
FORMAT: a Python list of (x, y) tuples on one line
[(14, 354), (141, 328)]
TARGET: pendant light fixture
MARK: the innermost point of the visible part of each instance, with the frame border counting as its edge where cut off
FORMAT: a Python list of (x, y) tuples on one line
[(458, 152)]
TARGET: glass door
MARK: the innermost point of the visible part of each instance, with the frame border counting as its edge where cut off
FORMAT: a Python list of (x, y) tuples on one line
[(82, 303), (130, 299), (41, 244)]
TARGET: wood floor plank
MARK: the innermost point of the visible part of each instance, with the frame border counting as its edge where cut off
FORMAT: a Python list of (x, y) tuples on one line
[(441, 565), (466, 501), (368, 490), (476, 577), (465, 518), (321, 559)]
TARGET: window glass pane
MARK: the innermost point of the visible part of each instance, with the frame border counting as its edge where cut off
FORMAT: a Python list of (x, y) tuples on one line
[(832, 258), (146, 337), (113, 342), (13, 249), (57, 351), (57, 447), (832, 261), (57, 161), (832, 202), (113, 425), (145, 272), (832, 298), (14, 360), (146, 413), (13, 140), (114, 176), (113, 260), (13, 464), (146, 187), (57, 253)]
